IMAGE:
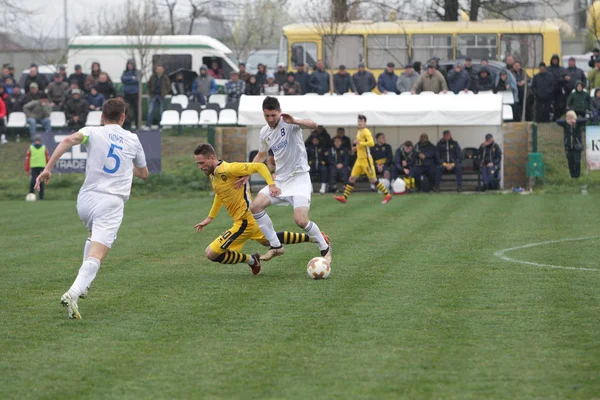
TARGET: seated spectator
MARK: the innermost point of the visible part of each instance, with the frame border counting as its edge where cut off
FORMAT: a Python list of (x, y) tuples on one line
[(485, 81), (579, 100), (3, 114), (490, 156), (318, 160), (35, 77), (56, 92), (62, 71), (244, 75), (235, 88), (595, 106), (431, 81), (38, 111), (5, 74), (92, 78), (323, 136), (95, 99), (458, 79), (105, 86), (407, 79), (388, 80), (319, 80), (382, 157), (425, 171), (261, 75), (204, 86), (405, 161), (179, 86), (34, 93), (271, 88), (3, 94), (339, 164), (342, 82), (364, 81), (9, 85), (78, 76), (346, 142), (76, 110), (450, 156), (215, 71), (16, 100), (74, 85), (291, 87), (280, 75), (252, 87)]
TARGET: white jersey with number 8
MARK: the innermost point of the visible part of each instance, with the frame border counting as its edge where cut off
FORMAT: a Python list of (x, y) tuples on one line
[(112, 153)]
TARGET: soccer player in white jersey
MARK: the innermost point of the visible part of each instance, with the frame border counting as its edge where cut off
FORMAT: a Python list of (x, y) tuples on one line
[(283, 135), (115, 156)]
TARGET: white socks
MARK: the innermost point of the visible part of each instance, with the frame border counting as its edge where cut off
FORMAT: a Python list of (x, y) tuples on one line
[(323, 187), (86, 248), (84, 279), (314, 232), (266, 226)]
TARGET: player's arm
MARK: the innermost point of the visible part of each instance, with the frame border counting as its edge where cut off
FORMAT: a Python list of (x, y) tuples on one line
[(64, 146), (247, 169), (260, 157), (140, 168), (367, 139), (302, 123), (212, 214), (141, 173)]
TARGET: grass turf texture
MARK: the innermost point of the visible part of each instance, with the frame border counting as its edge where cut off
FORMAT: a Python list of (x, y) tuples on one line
[(416, 306)]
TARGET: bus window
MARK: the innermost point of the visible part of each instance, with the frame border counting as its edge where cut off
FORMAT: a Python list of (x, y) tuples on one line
[(172, 62), (305, 53), (282, 57), (348, 51), (424, 47), (477, 46), (381, 49), (525, 48)]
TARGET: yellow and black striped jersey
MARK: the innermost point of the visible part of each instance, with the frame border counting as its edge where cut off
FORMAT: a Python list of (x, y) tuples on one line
[(365, 141)]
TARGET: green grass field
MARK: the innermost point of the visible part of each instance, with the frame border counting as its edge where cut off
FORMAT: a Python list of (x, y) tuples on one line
[(417, 305)]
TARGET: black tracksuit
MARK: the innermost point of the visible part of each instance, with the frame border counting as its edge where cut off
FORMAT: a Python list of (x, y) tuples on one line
[(409, 157), (318, 160), (449, 153), (573, 143), (339, 156), (382, 155), (427, 167), (489, 175)]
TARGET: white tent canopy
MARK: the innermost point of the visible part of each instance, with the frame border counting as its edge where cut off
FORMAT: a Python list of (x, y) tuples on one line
[(441, 110)]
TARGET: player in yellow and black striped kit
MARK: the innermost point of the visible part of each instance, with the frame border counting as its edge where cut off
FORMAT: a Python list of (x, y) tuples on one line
[(226, 249), (364, 163)]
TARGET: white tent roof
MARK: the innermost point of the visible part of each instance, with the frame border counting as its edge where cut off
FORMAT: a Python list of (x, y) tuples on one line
[(447, 110)]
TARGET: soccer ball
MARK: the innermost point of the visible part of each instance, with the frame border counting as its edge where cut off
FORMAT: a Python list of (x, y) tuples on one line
[(30, 197), (318, 268)]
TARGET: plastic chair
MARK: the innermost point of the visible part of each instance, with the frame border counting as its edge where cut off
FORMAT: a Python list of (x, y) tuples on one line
[(58, 119), (219, 99), (176, 107), (406, 94), (463, 93), (369, 94), (94, 118), (17, 119), (507, 112), (169, 118), (180, 99), (427, 93), (228, 117), (189, 118), (208, 117)]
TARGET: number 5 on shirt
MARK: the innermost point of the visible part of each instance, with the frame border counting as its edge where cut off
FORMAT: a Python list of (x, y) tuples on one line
[(111, 154)]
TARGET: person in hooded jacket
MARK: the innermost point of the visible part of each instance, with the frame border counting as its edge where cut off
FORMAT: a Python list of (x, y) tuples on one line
[(303, 78), (490, 156), (252, 87), (573, 128), (485, 81), (425, 171), (387, 81), (450, 156), (261, 75), (131, 78), (543, 91), (573, 75), (204, 86), (93, 77), (579, 100), (558, 98), (458, 79)]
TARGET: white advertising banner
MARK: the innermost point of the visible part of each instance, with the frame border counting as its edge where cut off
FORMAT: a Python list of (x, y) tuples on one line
[(592, 147)]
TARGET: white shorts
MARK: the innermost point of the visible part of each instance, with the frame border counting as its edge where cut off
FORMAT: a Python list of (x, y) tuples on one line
[(295, 190), (102, 215)]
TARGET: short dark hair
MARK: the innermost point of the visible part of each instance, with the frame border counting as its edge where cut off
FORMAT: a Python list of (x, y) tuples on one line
[(271, 103), (205, 149), (112, 109), (340, 139), (380, 134), (341, 129), (362, 117), (408, 143)]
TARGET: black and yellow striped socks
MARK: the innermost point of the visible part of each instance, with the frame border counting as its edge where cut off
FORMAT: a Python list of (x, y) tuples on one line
[(382, 188), (232, 257), (348, 190), (293, 238)]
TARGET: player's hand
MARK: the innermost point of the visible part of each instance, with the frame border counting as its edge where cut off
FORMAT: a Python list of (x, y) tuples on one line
[(490, 164), (404, 163), (287, 118), (421, 156), (241, 182), (200, 227), (406, 171), (274, 191), (340, 166), (380, 168), (44, 178)]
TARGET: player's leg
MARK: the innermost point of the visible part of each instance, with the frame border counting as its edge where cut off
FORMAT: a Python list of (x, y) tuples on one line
[(226, 249), (257, 208), (372, 175), (459, 172), (301, 208), (357, 170)]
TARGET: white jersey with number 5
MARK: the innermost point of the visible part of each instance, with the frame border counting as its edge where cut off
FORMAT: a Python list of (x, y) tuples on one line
[(287, 144), (112, 153)]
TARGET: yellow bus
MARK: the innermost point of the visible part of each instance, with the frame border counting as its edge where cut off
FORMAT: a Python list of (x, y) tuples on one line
[(403, 42)]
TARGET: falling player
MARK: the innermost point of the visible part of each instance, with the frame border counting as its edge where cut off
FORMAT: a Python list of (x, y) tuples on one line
[(364, 163), (115, 156), (226, 249), (283, 135)]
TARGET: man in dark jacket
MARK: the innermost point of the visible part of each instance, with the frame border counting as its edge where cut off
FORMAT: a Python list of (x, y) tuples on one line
[(76, 110), (291, 87), (302, 78), (471, 71), (339, 164), (158, 88), (244, 75), (16, 100), (450, 155), (485, 81), (105, 87), (131, 78), (346, 142), (261, 75), (319, 80), (572, 129), (573, 74), (579, 100), (521, 78), (490, 156), (404, 164), (594, 57), (388, 80), (543, 90), (342, 82), (382, 157), (56, 91), (458, 79), (318, 160), (78, 76), (280, 75), (35, 77), (558, 98), (322, 134), (364, 81), (425, 171)]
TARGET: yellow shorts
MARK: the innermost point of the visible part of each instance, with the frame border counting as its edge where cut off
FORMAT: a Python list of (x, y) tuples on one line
[(234, 238), (363, 166)]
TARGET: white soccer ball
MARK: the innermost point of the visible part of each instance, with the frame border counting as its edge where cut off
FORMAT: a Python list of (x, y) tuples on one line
[(30, 197), (399, 186), (385, 183), (318, 268)]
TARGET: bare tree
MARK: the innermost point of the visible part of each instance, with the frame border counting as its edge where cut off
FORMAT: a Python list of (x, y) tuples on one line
[(14, 13), (212, 10), (171, 4), (449, 10)]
